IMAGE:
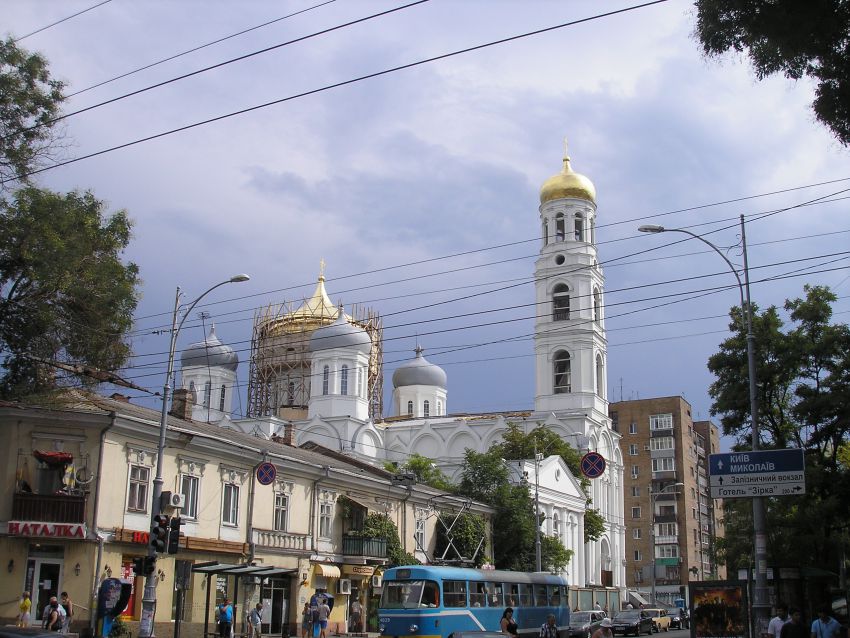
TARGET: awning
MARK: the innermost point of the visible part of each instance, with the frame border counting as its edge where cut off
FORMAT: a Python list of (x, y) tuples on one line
[(53, 458), (359, 502), (240, 570), (328, 571)]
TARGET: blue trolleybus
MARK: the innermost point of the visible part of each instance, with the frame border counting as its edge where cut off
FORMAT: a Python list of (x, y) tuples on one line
[(435, 602)]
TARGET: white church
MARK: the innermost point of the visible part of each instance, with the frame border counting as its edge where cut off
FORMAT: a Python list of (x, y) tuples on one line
[(331, 371)]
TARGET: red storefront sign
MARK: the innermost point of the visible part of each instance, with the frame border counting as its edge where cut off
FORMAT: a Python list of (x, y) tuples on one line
[(142, 538), (51, 530)]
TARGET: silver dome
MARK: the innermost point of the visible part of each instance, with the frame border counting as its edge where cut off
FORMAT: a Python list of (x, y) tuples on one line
[(419, 372), (210, 352), (340, 334)]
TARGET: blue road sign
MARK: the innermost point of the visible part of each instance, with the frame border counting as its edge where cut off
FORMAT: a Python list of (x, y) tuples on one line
[(266, 473), (757, 473), (592, 465)]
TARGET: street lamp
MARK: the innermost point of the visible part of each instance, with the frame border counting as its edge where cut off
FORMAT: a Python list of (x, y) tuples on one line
[(761, 606), (149, 599), (652, 496)]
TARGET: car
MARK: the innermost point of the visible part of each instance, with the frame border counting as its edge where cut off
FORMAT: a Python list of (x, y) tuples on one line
[(631, 621), (659, 617), (584, 623), (679, 618)]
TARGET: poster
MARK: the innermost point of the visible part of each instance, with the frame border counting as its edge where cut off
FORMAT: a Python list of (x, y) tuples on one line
[(718, 609)]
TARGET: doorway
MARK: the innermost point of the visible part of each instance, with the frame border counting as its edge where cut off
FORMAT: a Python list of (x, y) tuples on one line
[(43, 580), (276, 593)]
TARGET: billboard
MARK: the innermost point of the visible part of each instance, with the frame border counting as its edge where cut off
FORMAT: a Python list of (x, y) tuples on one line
[(718, 609)]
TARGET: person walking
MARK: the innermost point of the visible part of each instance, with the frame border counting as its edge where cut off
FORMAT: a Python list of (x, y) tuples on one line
[(507, 624), (604, 630), (52, 615), (24, 607), (356, 616), (324, 612), (225, 618), (794, 628), (774, 627), (68, 606), (549, 628), (825, 626), (255, 619), (306, 621)]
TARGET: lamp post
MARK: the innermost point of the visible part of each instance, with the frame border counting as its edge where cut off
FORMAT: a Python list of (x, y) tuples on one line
[(652, 496), (761, 606), (146, 628)]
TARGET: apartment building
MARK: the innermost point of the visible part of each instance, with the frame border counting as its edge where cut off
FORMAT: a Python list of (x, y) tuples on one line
[(670, 516)]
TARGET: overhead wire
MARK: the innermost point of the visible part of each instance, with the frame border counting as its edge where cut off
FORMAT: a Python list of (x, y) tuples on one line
[(53, 24)]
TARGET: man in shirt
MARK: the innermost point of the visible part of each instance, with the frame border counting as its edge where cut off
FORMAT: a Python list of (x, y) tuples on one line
[(825, 626), (225, 618), (794, 628), (324, 612), (774, 628), (53, 615), (255, 619), (549, 629)]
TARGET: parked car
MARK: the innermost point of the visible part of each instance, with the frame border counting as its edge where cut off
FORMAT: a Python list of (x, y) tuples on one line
[(659, 618), (632, 621), (679, 618), (584, 623)]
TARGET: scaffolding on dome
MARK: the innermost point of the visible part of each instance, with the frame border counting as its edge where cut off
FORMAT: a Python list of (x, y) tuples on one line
[(279, 376)]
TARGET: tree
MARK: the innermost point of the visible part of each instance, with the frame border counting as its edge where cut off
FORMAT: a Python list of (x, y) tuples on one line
[(790, 37), (380, 526), (467, 533), (29, 100), (425, 471), (64, 292)]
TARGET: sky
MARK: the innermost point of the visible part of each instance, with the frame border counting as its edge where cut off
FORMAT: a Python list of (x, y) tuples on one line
[(419, 188)]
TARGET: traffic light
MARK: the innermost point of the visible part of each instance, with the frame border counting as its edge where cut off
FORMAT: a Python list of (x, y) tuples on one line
[(150, 565), (174, 536), (159, 533), (139, 566)]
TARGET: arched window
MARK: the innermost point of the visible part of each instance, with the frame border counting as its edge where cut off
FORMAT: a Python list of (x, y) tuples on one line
[(592, 230), (221, 398), (326, 379), (194, 393), (561, 369), (597, 305), (290, 393), (207, 393), (343, 380), (410, 408), (359, 374), (560, 303), (426, 409), (600, 376), (578, 225), (556, 525), (560, 227), (545, 232), (439, 408)]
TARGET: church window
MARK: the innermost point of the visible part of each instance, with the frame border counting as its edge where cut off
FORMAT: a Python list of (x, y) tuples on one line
[(597, 305), (410, 408), (439, 408), (207, 393), (326, 377), (600, 376), (563, 380), (193, 391), (221, 398), (359, 374), (290, 393), (426, 409), (556, 526), (343, 381), (592, 231), (578, 225), (559, 260), (561, 303), (545, 232), (560, 227)]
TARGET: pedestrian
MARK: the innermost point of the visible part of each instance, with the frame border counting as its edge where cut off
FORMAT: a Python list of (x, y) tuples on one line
[(825, 626), (507, 624), (68, 606), (604, 630), (774, 627), (794, 628), (630, 606), (255, 619), (52, 615), (549, 628), (597, 606), (306, 621), (225, 618), (24, 607), (324, 612), (356, 615)]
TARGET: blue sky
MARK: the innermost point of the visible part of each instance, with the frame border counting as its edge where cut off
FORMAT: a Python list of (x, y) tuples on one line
[(446, 158)]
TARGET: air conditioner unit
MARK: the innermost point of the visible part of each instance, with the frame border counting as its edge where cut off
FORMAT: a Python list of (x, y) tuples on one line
[(647, 447), (344, 586), (377, 581), (173, 500)]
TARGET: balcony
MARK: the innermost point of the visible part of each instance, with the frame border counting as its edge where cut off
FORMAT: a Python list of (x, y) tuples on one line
[(359, 546), (286, 541), (49, 508)]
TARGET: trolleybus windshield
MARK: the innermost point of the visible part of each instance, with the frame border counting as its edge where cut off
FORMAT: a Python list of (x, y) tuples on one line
[(409, 594)]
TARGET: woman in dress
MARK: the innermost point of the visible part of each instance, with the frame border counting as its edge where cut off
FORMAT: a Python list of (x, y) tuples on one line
[(507, 624)]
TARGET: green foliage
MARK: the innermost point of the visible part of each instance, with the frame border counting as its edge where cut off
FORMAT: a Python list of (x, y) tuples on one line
[(119, 629), (424, 469), (790, 37), (516, 445), (380, 526), (594, 525), (468, 532), (29, 99), (803, 386), (555, 557), (64, 292)]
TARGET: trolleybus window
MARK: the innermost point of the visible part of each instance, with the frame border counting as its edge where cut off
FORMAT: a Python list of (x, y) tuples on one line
[(454, 593), (525, 599), (478, 593), (495, 595), (407, 594), (540, 597)]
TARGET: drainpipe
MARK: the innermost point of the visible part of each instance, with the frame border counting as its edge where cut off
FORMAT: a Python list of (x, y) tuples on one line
[(95, 512), (314, 508), (404, 519)]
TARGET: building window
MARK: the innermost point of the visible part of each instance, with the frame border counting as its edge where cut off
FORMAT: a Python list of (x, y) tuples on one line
[(560, 303), (632, 428), (667, 551), (592, 230), (189, 489), (359, 374), (207, 394), (665, 464), (326, 378), (439, 408), (426, 409), (636, 533), (633, 449), (419, 534), (635, 490), (410, 408), (281, 511), (667, 510), (230, 504), (600, 376), (578, 226), (667, 529), (326, 509), (634, 471), (635, 512), (562, 375), (661, 422), (662, 443), (194, 392), (556, 526), (597, 305), (545, 232), (638, 556), (343, 380), (137, 493), (560, 227), (221, 398), (694, 513)]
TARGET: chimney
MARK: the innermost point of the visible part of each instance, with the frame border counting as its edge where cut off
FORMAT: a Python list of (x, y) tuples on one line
[(181, 404), (288, 434), (117, 396)]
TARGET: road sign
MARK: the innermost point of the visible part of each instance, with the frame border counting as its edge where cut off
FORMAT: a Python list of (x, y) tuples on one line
[(266, 473), (592, 465), (758, 473)]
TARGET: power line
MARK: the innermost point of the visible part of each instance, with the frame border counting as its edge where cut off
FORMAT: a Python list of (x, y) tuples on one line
[(335, 85), (53, 24)]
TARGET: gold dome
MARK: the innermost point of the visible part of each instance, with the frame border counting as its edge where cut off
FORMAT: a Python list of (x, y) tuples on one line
[(567, 183)]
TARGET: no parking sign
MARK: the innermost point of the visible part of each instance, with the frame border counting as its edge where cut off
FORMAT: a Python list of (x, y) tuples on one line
[(592, 465)]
